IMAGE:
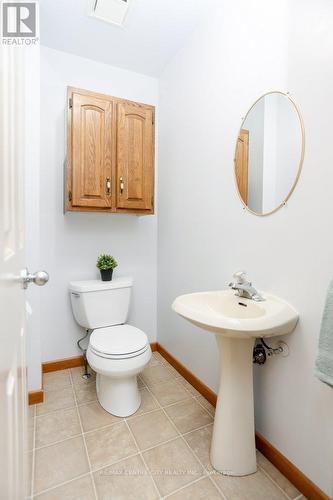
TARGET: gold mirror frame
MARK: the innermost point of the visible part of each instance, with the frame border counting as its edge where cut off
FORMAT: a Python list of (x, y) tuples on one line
[(300, 166)]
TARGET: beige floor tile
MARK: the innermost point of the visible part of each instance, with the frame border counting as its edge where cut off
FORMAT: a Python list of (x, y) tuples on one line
[(173, 370), (200, 441), (31, 425), (201, 490), (254, 487), (56, 400), (56, 426), (60, 462), (79, 489), (126, 480), (188, 415), (29, 472), (93, 416), (169, 392), (31, 411), (206, 404), (159, 357), (148, 403), (188, 386), (85, 392), (141, 383), (106, 446), (152, 429), (156, 374), (57, 419), (154, 361), (77, 373), (56, 380), (276, 475), (172, 465)]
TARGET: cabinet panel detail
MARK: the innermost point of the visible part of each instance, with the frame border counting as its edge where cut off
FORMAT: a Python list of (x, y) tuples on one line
[(134, 156), (91, 156)]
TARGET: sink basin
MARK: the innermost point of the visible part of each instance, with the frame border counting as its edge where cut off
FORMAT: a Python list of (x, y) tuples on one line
[(225, 313), (236, 322)]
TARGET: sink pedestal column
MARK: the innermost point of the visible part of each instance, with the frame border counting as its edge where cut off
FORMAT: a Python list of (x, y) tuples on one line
[(233, 451)]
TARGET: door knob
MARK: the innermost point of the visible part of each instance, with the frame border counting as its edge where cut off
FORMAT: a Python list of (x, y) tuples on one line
[(39, 278)]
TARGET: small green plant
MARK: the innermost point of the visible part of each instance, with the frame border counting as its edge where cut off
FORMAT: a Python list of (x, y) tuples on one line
[(105, 262)]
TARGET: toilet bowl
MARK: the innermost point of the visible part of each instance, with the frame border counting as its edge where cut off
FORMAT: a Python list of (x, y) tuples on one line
[(117, 352)]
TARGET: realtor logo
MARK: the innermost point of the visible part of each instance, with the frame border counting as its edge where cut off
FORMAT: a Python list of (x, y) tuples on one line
[(19, 21)]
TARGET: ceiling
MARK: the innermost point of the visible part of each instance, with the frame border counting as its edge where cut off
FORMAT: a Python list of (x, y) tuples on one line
[(153, 32)]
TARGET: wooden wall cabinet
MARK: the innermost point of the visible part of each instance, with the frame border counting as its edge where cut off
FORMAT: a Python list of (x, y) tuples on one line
[(110, 154)]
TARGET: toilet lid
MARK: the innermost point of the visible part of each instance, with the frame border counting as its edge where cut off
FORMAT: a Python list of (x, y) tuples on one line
[(118, 340)]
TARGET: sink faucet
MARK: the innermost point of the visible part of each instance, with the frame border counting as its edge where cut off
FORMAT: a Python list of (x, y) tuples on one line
[(244, 287)]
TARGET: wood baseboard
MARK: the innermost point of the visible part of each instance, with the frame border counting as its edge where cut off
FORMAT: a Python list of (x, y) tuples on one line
[(63, 364), (287, 468), (35, 397), (153, 346)]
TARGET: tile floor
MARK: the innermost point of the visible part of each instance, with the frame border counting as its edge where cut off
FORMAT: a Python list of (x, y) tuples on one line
[(80, 452)]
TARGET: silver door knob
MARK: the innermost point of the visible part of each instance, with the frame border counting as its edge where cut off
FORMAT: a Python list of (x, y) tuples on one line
[(39, 278)]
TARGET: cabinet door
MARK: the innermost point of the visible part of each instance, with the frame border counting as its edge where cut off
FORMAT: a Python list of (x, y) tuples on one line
[(135, 156), (91, 155)]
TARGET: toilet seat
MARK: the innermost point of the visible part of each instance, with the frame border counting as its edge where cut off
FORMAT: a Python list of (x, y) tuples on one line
[(118, 342)]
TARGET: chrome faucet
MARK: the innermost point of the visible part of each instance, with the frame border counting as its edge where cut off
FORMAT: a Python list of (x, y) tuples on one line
[(244, 288)]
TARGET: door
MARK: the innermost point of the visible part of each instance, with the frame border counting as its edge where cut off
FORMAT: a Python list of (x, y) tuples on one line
[(91, 150), (242, 164), (135, 156), (13, 395), (15, 153)]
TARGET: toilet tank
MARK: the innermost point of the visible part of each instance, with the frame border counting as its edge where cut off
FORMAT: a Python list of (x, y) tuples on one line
[(97, 304)]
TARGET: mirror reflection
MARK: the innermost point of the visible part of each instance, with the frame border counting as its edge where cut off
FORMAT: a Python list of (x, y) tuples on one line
[(269, 153)]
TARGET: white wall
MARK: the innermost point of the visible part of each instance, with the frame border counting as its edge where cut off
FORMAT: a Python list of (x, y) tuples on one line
[(247, 49), (70, 244)]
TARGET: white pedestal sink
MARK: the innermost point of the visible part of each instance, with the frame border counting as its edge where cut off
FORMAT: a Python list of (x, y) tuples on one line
[(237, 322)]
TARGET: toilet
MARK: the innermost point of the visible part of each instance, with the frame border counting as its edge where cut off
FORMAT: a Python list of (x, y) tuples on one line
[(117, 352)]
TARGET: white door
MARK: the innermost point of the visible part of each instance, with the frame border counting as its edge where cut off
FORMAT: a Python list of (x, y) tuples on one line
[(13, 392), (13, 396)]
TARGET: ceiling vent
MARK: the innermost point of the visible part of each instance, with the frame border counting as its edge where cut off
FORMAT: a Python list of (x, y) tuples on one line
[(111, 11)]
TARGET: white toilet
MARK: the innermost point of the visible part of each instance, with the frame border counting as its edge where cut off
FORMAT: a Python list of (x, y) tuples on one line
[(117, 352)]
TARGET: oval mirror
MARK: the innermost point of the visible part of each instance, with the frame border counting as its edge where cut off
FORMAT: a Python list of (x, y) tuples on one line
[(269, 153)]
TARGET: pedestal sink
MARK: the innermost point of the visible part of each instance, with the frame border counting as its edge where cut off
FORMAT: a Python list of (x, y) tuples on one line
[(236, 322)]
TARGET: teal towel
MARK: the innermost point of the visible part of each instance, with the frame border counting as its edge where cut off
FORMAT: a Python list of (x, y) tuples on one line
[(324, 361)]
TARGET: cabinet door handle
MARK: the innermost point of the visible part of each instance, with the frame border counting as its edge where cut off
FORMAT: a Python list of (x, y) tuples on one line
[(108, 186), (122, 185)]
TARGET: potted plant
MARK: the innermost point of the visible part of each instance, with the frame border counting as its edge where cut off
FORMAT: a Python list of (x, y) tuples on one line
[(106, 265)]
